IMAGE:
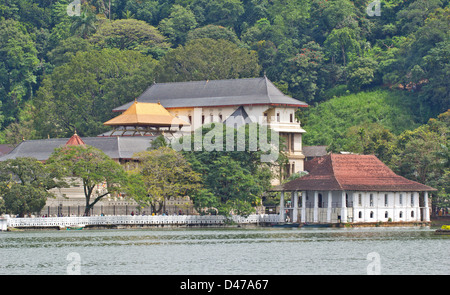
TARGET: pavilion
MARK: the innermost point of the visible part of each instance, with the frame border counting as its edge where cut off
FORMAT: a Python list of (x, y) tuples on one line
[(348, 188), (145, 118)]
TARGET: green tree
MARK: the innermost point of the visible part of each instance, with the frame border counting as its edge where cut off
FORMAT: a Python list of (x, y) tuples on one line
[(218, 12), (233, 176), (25, 185), (213, 32), (131, 34), (304, 71), (93, 167), (341, 44), (176, 27), (18, 68), (361, 73), (80, 94), (85, 24), (164, 174), (207, 59), (371, 139)]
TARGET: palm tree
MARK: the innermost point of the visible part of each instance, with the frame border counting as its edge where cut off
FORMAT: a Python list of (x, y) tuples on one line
[(84, 24)]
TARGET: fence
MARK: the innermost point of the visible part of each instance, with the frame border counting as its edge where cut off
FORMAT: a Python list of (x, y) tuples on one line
[(138, 220), (100, 209)]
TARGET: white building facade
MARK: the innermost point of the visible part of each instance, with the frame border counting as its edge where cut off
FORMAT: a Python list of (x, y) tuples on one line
[(327, 194)]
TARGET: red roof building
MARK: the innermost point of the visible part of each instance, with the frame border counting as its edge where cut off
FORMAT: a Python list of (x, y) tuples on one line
[(361, 186), (75, 140)]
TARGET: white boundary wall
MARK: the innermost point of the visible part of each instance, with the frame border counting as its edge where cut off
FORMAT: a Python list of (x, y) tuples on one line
[(136, 220)]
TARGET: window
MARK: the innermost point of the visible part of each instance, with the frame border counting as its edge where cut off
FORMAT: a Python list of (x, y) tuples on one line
[(412, 199), (278, 117), (291, 118), (359, 199), (359, 214), (203, 119), (412, 213), (220, 118), (371, 214), (400, 200), (371, 200), (400, 214), (190, 119), (386, 214), (385, 200)]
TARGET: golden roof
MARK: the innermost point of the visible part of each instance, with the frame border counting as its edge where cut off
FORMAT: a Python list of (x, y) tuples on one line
[(146, 114)]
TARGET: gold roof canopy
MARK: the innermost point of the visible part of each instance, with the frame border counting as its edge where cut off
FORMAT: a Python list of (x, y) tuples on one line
[(146, 114)]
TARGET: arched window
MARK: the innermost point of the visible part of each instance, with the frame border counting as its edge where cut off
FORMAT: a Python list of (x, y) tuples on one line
[(412, 213), (371, 214), (400, 214), (386, 214), (359, 214)]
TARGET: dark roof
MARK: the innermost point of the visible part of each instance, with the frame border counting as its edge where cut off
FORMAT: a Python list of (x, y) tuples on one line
[(114, 147), (233, 92), (315, 151), (348, 172), (5, 148), (238, 118)]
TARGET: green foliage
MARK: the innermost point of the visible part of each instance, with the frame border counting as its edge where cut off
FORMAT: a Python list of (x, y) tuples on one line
[(233, 176), (80, 94), (131, 34), (18, 68), (164, 174), (329, 122), (25, 185), (423, 155), (207, 59), (93, 167)]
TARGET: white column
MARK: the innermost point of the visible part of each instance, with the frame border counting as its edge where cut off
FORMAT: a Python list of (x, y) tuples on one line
[(295, 210), (316, 207), (282, 207), (427, 209), (303, 218), (329, 207), (343, 208)]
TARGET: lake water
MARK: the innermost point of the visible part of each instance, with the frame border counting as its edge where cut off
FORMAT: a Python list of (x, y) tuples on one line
[(232, 251)]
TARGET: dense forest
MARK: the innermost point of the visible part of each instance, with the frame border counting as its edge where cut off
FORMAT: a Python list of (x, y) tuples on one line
[(375, 77)]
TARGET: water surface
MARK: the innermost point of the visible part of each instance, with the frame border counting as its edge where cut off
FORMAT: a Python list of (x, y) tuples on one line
[(264, 251)]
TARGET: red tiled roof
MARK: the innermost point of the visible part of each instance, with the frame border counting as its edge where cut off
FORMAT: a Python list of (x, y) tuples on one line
[(353, 173), (75, 140)]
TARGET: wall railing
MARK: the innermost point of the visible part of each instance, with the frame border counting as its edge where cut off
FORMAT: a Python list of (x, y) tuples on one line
[(142, 220)]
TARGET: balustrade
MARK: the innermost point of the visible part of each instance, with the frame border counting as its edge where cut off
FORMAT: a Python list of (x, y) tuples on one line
[(136, 220)]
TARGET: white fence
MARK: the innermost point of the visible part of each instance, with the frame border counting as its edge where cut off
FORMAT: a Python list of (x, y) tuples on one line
[(139, 220)]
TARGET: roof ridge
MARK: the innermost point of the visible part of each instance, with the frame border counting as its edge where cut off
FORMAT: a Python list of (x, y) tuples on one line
[(267, 88), (333, 172), (205, 80)]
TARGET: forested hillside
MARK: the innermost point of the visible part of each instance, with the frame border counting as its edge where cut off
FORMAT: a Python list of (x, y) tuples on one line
[(370, 77)]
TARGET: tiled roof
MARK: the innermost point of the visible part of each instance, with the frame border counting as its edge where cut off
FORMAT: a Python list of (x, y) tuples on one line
[(145, 114), (232, 92), (348, 172), (114, 147), (75, 140)]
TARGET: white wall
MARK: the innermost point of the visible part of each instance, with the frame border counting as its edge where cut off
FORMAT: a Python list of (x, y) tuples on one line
[(398, 207)]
